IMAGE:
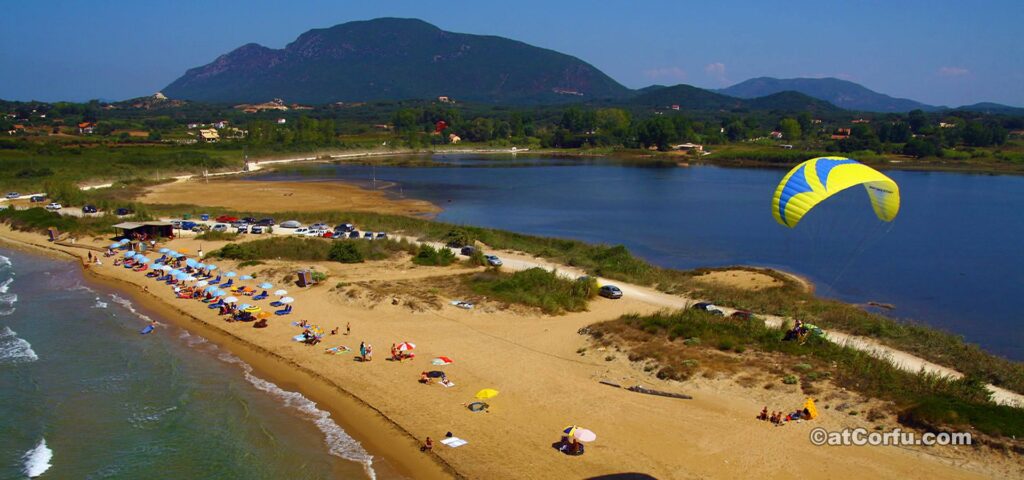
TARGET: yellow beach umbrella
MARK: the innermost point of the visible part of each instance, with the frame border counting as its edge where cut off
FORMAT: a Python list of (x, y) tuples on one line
[(486, 393)]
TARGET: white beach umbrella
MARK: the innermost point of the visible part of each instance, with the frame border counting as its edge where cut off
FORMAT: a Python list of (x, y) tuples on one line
[(202, 283), (230, 299), (287, 300), (281, 293)]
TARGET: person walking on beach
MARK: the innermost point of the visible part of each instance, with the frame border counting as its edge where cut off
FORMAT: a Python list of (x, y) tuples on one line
[(362, 351), (369, 353), (348, 328)]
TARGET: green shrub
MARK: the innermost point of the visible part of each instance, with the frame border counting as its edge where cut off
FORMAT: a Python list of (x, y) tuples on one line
[(535, 287), (434, 257), (790, 380), (345, 252), (215, 236)]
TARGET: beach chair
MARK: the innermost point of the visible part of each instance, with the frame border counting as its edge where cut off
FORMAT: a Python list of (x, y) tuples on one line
[(261, 296), (276, 303), (248, 291), (216, 304), (228, 283), (284, 311), (216, 280), (142, 268)]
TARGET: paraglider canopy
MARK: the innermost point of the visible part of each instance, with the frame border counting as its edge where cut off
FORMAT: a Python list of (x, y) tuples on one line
[(813, 181)]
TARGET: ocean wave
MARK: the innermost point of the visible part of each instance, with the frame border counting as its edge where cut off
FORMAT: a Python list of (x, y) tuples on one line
[(14, 349), (339, 443), (145, 416), (128, 305), (99, 303), (37, 460), (4, 261), (192, 340), (6, 285)]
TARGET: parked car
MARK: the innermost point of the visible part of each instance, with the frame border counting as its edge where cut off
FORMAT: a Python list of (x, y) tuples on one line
[(368, 235), (708, 307), (242, 229), (345, 227), (327, 234), (298, 231), (226, 219), (382, 235), (493, 260), (53, 206), (742, 314), (200, 228), (266, 222), (220, 227), (13, 195), (291, 224), (353, 234), (319, 226), (37, 198), (89, 209), (468, 251), (249, 220), (188, 225), (204, 217), (256, 229), (174, 223), (610, 291), (123, 211)]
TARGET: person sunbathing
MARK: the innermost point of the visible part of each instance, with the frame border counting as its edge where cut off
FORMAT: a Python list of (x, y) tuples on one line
[(764, 414)]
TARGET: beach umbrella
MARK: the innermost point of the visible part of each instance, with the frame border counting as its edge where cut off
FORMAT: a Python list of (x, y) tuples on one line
[(253, 309), (245, 277), (486, 393), (281, 293), (129, 254), (211, 267), (406, 346), (201, 266), (191, 262), (202, 283), (124, 241), (435, 374), (210, 288), (181, 275), (166, 268), (287, 300), (265, 285), (244, 306), (141, 259), (231, 299), (157, 265), (584, 435), (441, 361), (190, 278), (569, 430), (230, 274), (164, 250), (175, 272), (115, 245)]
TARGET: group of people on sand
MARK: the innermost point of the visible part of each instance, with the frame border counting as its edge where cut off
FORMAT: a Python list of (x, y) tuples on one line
[(399, 355), (365, 352), (780, 418)]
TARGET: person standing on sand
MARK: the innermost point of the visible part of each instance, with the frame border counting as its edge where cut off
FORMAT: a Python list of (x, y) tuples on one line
[(362, 351), (348, 328), (394, 352), (369, 353)]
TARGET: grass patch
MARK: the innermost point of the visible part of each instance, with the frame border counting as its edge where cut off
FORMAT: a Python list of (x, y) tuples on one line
[(924, 397), (312, 249), (433, 257), (217, 236), (536, 287)]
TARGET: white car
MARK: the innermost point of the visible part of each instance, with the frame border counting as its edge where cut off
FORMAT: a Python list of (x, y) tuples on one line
[(301, 231), (319, 226), (54, 206), (13, 195), (314, 232), (220, 227)]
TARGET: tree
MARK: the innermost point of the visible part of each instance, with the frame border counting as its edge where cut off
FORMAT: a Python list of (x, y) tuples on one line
[(790, 129), (345, 252), (656, 132), (736, 131), (917, 120), (921, 147), (405, 120)]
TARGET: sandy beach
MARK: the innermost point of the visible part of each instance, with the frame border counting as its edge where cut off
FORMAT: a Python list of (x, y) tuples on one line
[(273, 197), (548, 377)]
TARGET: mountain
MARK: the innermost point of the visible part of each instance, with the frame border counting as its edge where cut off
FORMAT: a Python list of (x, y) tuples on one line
[(993, 108), (689, 97), (394, 58), (841, 93)]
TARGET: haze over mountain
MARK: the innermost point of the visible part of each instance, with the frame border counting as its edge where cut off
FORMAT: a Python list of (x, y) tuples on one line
[(841, 93), (393, 58), (688, 97)]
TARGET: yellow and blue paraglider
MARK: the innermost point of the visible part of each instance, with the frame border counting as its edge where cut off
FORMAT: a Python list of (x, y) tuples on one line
[(813, 181)]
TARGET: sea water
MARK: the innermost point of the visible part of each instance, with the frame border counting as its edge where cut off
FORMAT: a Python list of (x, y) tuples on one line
[(84, 395)]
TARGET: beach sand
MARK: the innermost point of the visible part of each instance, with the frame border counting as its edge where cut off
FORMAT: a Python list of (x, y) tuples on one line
[(273, 197), (545, 383)]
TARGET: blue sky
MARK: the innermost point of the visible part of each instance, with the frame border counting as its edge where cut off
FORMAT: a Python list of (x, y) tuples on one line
[(938, 52)]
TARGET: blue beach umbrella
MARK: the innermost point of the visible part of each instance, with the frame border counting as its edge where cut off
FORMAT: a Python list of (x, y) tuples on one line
[(115, 245), (129, 254), (141, 259), (211, 267), (200, 266), (244, 306), (245, 277), (191, 262), (123, 241), (230, 274), (210, 288), (164, 250), (266, 285), (157, 265)]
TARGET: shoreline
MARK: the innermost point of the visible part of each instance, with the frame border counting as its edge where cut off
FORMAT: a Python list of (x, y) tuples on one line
[(381, 436)]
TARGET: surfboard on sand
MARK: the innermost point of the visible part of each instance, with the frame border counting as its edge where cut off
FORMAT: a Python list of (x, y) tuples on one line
[(149, 328)]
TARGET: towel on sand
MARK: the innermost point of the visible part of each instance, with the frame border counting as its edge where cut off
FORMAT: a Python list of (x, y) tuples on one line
[(454, 442)]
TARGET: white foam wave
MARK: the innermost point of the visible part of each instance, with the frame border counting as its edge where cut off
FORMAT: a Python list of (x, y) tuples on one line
[(339, 443), (127, 304), (6, 285), (37, 460), (99, 303), (14, 349), (192, 340), (4, 261)]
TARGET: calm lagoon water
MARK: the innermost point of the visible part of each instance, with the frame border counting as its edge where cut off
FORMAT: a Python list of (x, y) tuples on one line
[(83, 395), (953, 258)]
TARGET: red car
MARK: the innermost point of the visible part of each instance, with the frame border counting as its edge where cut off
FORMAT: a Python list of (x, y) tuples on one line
[(227, 219)]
